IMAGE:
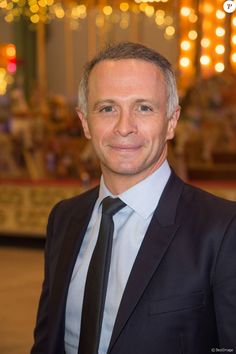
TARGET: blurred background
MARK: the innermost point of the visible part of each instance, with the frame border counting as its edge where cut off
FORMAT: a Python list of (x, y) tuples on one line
[(44, 157)]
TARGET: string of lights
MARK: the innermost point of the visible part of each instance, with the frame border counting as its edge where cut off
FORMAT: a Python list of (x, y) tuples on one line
[(204, 31)]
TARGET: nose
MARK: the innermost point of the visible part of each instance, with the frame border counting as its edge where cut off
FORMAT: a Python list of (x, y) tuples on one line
[(126, 124)]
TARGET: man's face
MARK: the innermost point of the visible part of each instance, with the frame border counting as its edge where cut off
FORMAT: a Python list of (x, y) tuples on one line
[(126, 118)]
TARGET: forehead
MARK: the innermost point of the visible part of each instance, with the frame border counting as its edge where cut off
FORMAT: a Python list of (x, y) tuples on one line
[(126, 74)]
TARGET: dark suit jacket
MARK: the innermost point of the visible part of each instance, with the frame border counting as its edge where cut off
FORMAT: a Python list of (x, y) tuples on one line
[(181, 294)]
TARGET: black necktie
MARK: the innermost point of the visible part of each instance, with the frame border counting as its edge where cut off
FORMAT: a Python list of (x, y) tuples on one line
[(97, 279)]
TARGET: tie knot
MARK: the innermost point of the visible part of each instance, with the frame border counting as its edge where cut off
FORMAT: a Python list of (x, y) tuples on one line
[(110, 206)]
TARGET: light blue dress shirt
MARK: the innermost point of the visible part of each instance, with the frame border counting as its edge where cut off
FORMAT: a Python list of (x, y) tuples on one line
[(130, 226)]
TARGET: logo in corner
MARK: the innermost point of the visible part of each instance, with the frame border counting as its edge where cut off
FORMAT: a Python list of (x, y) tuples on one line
[(229, 6)]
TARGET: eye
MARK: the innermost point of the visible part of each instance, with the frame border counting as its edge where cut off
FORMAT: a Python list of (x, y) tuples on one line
[(144, 108), (106, 109)]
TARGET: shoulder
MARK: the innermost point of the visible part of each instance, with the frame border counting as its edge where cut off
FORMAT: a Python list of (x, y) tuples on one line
[(195, 201), (75, 205), (69, 211), (204, 211), (208, 202)]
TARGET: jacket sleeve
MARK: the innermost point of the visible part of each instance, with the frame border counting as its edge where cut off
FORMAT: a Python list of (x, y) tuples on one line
[(40, 345), (224, 289)]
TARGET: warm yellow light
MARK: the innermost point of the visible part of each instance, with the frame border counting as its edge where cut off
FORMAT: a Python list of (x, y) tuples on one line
[(10, 6), (192, 35), (220, 14), (149, 11), (124, 6), (234, 39), (185, 11), (220, 49), (2, 72), (9, 17), (170, 31), (168, 20), (82, 11), (2, 82), (3, 89), (59, 12), (205, 42), (34, 18), (193, 18), (206, 25), (184, 62), (42, 3), (234, 21), (220, 31), (205, 60), (100, 20), (143, 6), (75, 13), (49, 2), (107, 10), (159, 21), (34, 8), (233, 57), (185, 45), (160, 13), (32, 2), (3, 4), (208, 8), (135, 9), (219, 67), (11, 51)]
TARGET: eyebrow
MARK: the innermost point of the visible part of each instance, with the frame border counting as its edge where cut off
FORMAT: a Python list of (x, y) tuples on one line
[(143, 100), (155, 104)]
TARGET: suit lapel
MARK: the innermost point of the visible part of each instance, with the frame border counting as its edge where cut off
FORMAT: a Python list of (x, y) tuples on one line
[(156, 241)]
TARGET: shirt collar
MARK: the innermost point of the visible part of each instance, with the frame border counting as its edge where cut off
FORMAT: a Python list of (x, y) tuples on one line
[(144, 196)]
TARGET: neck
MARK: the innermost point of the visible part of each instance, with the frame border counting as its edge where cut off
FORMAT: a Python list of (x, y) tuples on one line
[(120, 184)]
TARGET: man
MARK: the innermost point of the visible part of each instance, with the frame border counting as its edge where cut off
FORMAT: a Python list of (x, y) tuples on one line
[(171, 283)]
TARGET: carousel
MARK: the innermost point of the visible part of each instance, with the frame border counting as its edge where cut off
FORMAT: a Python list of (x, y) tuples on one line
[(43, 154)]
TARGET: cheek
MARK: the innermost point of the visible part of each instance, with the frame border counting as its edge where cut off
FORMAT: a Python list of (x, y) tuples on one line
[(166, 132), (156, 133), (96, 130), (99, 133)]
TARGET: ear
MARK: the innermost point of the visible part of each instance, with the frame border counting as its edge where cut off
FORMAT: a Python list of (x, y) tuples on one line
[(172, 123), (84, 123)]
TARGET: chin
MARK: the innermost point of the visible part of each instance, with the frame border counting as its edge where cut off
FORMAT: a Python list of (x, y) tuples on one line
[(125, 170)]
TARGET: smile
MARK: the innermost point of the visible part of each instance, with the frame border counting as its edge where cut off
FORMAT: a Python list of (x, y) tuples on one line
[(125, 148)]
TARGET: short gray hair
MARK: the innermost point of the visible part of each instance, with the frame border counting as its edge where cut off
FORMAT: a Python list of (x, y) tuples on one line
[(129, 50)]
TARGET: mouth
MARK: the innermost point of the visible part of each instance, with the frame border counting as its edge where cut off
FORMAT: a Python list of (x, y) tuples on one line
[(125, 148)]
